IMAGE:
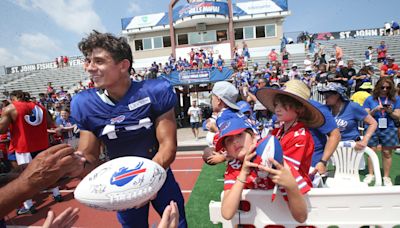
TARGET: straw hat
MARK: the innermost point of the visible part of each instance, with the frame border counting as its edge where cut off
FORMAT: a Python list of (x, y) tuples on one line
[(296, 89)]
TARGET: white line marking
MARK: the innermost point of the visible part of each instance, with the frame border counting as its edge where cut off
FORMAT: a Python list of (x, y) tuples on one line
[(186, 170), (186, 191), (187, 158)]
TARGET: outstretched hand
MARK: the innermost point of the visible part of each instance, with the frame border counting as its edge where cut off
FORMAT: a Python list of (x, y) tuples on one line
[(170, 217), (66, 219)]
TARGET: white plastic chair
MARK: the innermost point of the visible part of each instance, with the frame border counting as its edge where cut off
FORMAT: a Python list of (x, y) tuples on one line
[(347, 162)]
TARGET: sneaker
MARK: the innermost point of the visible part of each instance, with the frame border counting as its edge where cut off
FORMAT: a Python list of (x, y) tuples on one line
[(23, 210), (397, 151), (387, 181), (369, 178), (58, 198)]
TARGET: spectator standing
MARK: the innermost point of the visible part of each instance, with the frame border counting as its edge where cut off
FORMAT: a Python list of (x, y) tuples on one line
[(382, 52), (65, 61), (195, 118), (347, 115), (363, 93), (387, 28), (395, 28), (272, 56), (338, 52), (285, 59), (384, 106), (294, 73), (364, 75), (68, 126), (368, 53)]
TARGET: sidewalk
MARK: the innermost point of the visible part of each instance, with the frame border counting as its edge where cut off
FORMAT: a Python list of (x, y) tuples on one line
[(187, 141)]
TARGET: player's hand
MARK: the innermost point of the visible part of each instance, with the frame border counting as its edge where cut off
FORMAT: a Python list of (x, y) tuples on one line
[(170, 217), (66, 219), (281, 175), (51, 165)]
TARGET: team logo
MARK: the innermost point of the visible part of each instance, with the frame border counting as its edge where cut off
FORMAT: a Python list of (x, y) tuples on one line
[(117, 119), (35, 117), (224, 125), (124, 176)]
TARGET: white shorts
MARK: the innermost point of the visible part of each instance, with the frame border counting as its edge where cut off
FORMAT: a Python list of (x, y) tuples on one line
[(23, 158)]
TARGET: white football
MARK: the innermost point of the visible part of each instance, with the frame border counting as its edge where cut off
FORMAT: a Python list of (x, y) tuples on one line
[(121, 183)]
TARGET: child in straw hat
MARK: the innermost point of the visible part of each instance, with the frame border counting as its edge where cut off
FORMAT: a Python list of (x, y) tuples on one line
[(257, 164), (292, 108)]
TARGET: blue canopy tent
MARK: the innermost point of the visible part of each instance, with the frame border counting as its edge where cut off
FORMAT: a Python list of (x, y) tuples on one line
[(193, 77)]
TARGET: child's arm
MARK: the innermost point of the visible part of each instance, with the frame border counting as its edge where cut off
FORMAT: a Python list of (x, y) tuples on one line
[(232, 197), (283, 177)]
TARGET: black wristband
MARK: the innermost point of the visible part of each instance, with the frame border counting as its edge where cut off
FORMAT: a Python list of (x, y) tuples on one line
[(323, 162)]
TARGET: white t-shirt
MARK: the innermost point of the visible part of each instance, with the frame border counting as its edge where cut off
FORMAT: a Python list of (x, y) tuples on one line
[(195, 113)]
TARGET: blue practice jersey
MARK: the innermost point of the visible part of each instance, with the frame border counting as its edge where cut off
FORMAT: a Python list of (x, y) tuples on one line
[(128, 127)]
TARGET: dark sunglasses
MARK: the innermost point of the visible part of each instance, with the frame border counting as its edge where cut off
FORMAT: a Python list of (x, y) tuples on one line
[(386, 87), (328, 94)]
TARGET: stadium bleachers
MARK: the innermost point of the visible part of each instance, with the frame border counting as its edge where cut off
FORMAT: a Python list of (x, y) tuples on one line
[(36, 82)]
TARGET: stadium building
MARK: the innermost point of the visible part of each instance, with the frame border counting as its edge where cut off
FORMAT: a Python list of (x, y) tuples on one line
[(214, 26)]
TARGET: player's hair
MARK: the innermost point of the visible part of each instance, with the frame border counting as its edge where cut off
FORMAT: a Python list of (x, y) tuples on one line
[(118, 47), (20, 95)]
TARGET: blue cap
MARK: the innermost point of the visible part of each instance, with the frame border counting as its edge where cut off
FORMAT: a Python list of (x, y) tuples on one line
[(244, 106), (232, 126), (335, 87)]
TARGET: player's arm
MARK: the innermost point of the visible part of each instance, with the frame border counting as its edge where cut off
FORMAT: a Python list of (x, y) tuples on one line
[(89, 145), (6, 118), (166, 136)]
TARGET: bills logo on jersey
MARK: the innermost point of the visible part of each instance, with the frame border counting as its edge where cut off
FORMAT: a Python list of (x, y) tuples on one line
[(124, 176), (269, 147), (117, 119), (35, 118)]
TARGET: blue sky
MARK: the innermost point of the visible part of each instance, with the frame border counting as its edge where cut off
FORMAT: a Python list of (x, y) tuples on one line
[(34, 31)]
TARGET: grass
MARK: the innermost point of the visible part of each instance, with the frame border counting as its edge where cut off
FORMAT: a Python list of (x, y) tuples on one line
[(209, 187)]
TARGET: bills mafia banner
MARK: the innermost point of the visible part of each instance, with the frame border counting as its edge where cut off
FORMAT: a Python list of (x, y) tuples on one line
[(204, 8)]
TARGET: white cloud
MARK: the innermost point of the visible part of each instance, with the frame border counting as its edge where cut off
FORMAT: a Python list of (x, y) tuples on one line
[(77, 16), (31, 48), (134, 8), (8, 59)]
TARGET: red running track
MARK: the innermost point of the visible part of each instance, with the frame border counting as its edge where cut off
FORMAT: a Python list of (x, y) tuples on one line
[(186, 169)]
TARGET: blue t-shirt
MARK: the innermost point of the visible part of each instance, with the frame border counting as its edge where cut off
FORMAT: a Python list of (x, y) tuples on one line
[(319, 134), (66, 123), (347, 120), (371, 103), (127, 127)]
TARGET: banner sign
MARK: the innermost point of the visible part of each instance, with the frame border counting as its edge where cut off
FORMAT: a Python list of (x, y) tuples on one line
[(203, 8), (200, 8), (73, 61), (349, 34), (188, 77)]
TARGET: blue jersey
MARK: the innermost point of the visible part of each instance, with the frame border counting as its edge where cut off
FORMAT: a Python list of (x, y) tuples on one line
[(347, 120), (127, 127), (371, 103), (319, 134)]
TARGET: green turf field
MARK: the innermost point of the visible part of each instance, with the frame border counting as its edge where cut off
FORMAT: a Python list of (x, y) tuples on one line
[(209, 186)]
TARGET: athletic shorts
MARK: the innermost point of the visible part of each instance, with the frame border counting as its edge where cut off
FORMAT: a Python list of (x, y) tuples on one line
[(194, 124), (25, 158), (169, 191), (385, 137), (381, 60)]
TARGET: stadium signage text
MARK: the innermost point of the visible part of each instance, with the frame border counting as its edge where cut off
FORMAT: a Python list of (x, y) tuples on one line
[(194, 75), (41, 66), (350, 34), (201, 8)]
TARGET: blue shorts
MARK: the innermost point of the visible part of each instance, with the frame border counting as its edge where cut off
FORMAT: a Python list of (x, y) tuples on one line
[(385, 137), (169, 191), (194, 124), (11, 156)]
